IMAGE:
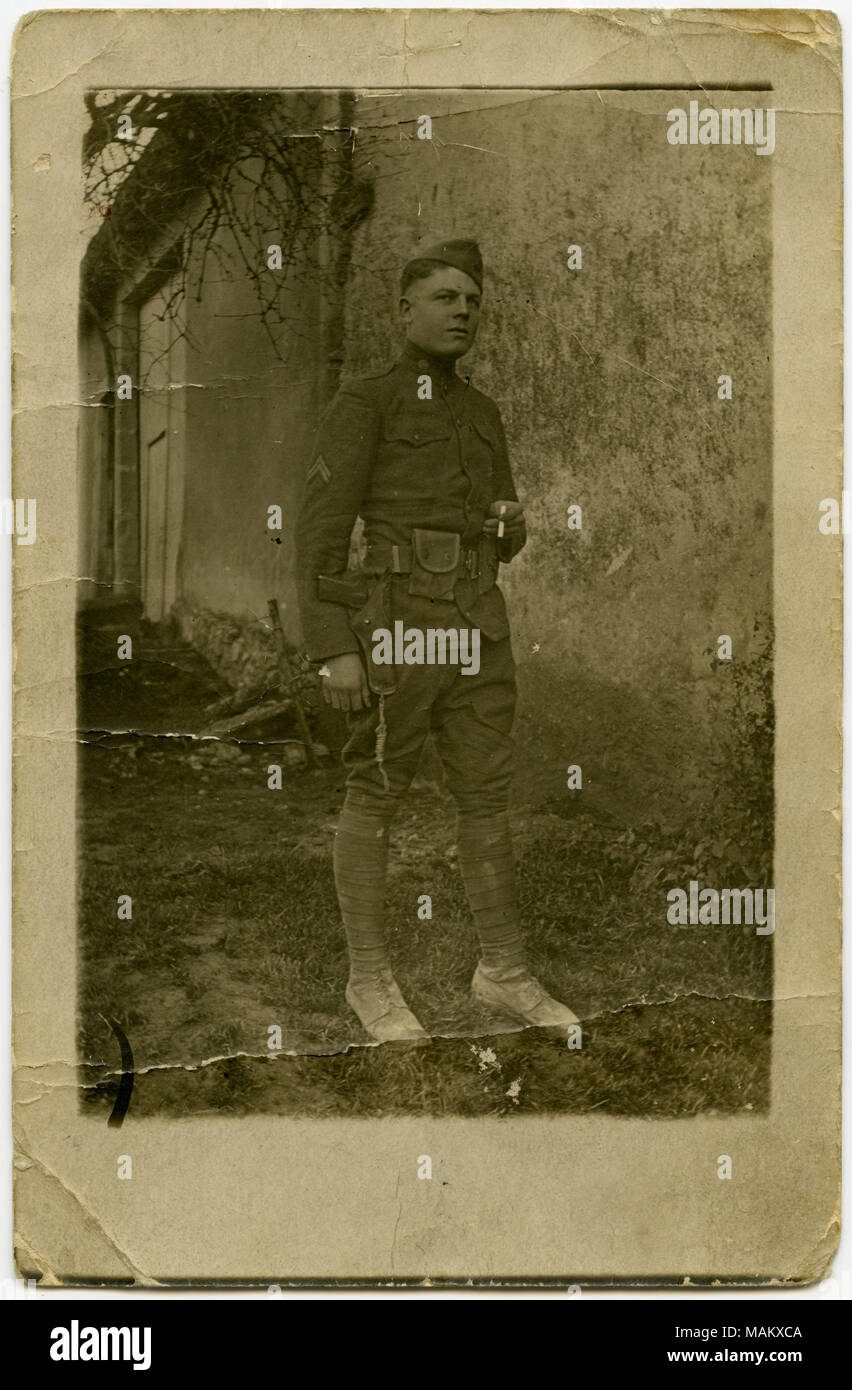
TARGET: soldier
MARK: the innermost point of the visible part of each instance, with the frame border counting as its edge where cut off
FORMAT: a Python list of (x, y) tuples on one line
[(420, 455)]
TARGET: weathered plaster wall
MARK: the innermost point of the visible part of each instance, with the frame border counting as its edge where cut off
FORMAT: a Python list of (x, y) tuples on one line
[(607, 380), (249, 421)]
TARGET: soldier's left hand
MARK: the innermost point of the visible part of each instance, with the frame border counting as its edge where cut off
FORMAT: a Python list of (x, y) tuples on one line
[(513, 519)]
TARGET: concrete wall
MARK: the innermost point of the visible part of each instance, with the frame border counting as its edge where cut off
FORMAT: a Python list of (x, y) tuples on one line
[(607, 380)]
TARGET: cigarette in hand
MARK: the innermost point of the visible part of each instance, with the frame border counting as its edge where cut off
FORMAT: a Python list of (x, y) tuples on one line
[(500, 526)]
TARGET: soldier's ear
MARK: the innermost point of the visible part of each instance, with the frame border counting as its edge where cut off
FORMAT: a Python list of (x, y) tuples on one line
[(404, 308)]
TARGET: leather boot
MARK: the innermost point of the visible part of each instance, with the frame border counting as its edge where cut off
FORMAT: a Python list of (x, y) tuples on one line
[(377, 999), (513, 990), (502, 980)]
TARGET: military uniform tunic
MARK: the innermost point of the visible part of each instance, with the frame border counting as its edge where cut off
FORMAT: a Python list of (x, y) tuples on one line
[(387, 452)]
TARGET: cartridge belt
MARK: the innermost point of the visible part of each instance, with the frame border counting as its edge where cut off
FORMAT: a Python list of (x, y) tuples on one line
[(399, 558)]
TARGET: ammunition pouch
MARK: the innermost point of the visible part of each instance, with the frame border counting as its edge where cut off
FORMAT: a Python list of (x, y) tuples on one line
[(434, 563), (476, 565)]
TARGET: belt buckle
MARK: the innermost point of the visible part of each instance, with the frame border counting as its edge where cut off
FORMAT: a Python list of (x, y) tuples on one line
[(471, 562)]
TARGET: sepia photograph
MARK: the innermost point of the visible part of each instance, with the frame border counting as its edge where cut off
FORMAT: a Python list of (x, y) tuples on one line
[(425, 639)]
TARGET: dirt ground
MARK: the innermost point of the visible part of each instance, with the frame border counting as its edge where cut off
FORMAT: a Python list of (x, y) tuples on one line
[(235, 930)]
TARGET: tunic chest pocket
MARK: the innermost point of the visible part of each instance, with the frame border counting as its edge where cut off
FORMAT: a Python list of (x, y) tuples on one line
[(416, 430), (480, 456), (482, 438)]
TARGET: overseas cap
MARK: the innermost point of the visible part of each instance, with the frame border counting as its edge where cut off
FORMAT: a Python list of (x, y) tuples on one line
[(463, 255)]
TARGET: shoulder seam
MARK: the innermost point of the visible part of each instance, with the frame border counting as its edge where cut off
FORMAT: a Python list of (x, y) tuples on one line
[(483, 397), (365, 380)]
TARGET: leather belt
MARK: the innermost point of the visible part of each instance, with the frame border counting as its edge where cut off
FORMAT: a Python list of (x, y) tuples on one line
[(398, 558)]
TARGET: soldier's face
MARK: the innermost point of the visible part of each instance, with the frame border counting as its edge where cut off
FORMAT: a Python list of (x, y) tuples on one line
[(441, 313)]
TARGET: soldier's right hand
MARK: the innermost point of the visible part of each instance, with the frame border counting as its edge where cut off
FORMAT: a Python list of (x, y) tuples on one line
[(346, 687)]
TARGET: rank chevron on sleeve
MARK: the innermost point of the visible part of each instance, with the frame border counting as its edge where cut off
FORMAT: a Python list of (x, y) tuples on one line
[(319, 467)]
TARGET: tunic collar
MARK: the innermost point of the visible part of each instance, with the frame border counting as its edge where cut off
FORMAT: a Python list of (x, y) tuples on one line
[(423, 362)]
